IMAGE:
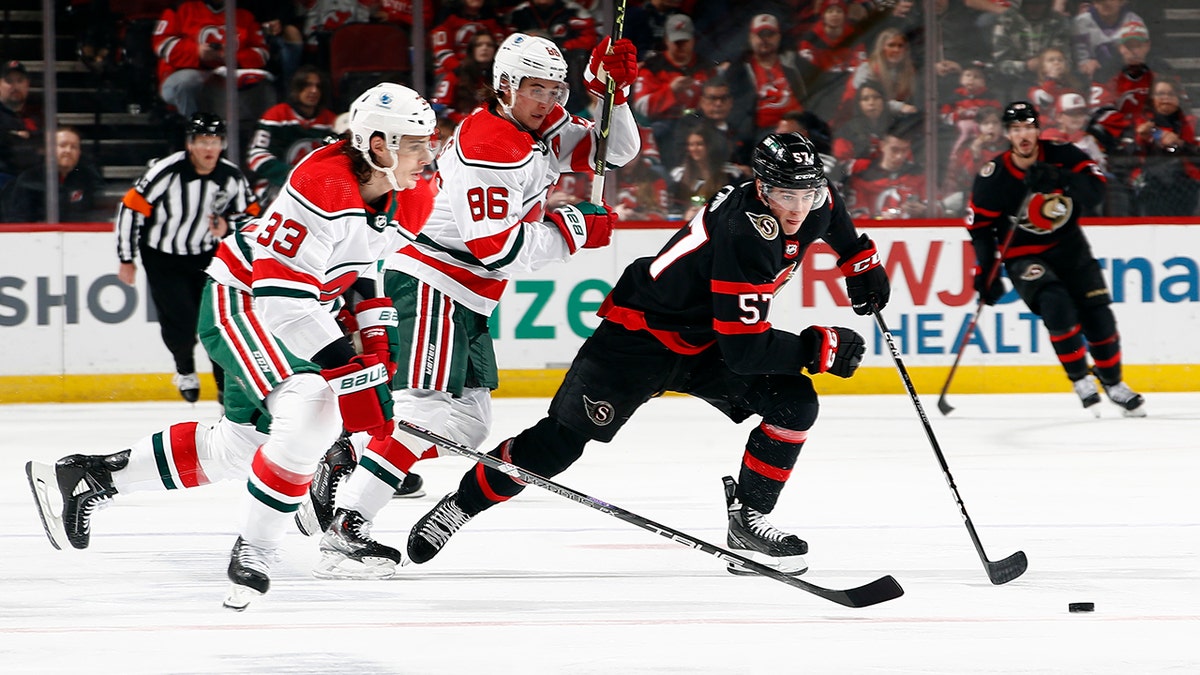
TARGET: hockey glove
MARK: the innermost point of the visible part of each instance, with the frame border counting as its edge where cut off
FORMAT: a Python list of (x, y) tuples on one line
[(1043, 177), (833, 350), (378, 330), (364, 396), (584, 225), (988, 293), (620, 65), (866, 281)]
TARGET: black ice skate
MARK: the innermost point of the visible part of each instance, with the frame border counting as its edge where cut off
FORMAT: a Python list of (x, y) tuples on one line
[(248, 568), (435, 528), (316, 514), (69, 492), (188, 385), (412, 487), (349, 552), (1089, 395), (1130, 402), (753, 537)]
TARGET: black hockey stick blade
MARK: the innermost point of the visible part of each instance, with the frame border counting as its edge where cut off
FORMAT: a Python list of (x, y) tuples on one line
[(944, 406), (1004, 571), (880, 590)]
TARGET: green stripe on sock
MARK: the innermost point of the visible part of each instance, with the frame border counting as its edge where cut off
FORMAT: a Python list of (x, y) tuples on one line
[(379, 472), (270, 501), (160, 458)]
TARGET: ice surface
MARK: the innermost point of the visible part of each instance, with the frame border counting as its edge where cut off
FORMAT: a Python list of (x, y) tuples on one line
[(1107, 510)]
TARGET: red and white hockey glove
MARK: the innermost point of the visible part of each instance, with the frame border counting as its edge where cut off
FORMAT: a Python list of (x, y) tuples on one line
[(584, 225), (834, 350), (620, 65), (377, 329), (364, 395), (866, 281)]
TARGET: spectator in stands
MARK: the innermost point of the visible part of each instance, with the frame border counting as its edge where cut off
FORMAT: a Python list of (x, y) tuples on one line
[(1055, 78), (702, 173), (400, 12), (891, 185), (1095, 37), (669, 83), (466, 87), (889, 63), (960, 42), (322, 18), (988, 141), (451, 40), (1071, 113), (190, 44), (960, 110), (1018, 39), (831, 52), (641, 186), (645, 25), (1168, 182), (78, 186), (569, 26), (711, 111), (860, 136), (20, 128), (765, 83), (283, 31), (287, 132)]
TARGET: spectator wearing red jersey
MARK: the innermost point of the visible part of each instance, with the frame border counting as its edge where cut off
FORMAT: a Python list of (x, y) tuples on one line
[(449, 39), (400, 12), (972, 94), (1071, 113), (669, 83), (190, 44), (1168, 181), (1055, 78), (642, 186), (891, 185), (831, 53), (987, 142), (766, 83), (466, 87), (568, 25), (859, 138)]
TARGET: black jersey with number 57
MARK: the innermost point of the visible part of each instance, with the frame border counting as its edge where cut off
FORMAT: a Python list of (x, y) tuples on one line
[(714, 281)]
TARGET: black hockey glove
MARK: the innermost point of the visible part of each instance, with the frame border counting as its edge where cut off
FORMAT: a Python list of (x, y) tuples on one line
[(992, 293), (1043, 177), (866, 281), (833, 350)]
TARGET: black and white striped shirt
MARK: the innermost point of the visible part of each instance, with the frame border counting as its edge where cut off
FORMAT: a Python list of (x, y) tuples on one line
[(168, 208)]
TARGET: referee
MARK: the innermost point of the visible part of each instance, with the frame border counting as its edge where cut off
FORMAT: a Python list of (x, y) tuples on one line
[(173, 218)]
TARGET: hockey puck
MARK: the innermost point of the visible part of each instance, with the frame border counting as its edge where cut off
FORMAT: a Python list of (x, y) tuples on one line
[(1081, 607)]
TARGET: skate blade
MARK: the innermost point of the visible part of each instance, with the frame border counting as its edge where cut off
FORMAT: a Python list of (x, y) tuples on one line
[(793, 565), (419, 492), (43, 482), (306, 519), (338, 566), (1139, 411), (239, 597)]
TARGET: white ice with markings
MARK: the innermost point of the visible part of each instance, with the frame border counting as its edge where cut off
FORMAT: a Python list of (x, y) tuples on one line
[(1107, 511)]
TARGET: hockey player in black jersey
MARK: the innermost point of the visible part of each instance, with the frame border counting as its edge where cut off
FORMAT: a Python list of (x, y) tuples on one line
[(694, 319), (1035, 192)]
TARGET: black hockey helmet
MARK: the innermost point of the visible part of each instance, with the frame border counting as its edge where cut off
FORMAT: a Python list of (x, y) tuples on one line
[(205, 124), (788, 161), (1020, 111)]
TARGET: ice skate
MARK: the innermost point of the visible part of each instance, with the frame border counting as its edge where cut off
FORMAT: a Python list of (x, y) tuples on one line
[(753, 537), (1131, 403), (69, 492), (248, 569), (315, 515), (188, 385), (349, 552), (1089, 395), (430, 534), (412, 487)]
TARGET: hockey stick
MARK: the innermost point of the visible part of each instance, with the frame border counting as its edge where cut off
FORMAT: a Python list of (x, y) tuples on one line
[(606, 110), (880, 590), (942, 404), (999, 572)]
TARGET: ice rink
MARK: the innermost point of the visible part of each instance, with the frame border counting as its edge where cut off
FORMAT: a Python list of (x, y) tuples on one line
[(1107, 510)]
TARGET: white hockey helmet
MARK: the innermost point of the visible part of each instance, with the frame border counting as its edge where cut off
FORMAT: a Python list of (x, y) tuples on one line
[(521, 56), (394, 111)]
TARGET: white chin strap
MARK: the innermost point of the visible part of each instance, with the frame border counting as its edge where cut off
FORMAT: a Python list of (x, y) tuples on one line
[(391, 177)]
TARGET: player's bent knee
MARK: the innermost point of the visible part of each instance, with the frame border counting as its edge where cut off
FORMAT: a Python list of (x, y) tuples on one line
[(548, 448), (304, 417)]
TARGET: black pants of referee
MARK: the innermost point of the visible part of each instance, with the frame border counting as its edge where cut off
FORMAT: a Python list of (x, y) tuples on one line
[(176, 283)]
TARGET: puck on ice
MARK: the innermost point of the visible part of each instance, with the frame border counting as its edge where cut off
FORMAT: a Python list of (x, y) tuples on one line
[(1081, 607)]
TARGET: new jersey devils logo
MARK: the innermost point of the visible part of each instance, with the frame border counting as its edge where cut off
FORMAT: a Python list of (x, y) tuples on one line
[(601, 413)]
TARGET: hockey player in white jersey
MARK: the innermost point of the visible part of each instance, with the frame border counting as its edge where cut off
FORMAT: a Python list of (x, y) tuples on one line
[(489, 222), (268, 317)]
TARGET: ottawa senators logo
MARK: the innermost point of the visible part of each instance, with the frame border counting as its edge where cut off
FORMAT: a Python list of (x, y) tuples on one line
[(1032, 273), (1045, 213), (988, 169), (766, 225), (601, 413)]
